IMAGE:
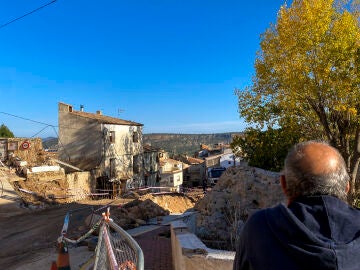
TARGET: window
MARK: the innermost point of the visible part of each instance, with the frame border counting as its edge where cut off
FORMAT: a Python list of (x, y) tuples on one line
[(171, 179), (135, 137), (112, 137)]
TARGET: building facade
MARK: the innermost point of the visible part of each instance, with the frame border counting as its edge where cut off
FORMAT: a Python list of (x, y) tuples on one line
[(152, 166), (109, 147), (171, 173)]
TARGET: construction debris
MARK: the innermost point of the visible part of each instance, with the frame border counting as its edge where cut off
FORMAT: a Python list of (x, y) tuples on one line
[(145, 207)]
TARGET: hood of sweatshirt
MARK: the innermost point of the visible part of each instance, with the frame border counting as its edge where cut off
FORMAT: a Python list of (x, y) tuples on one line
[(322, 229)]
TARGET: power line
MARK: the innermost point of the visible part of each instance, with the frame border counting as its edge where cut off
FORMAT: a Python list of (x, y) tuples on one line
[(27, 119), (42, 123), (39, 132), (33, 11)]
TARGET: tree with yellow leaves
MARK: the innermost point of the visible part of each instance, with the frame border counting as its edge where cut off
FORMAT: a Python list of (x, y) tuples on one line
[(308, 76)]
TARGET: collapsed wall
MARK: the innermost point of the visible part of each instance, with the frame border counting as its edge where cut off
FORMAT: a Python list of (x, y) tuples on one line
[(239, 192), (42, 185), (80, 185), (29, 149)]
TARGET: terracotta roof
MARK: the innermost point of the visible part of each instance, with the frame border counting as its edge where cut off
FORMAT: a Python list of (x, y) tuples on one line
[(172, 161), (185, 166), (162, 162), (149, 148), (105, 119), (195, 160)]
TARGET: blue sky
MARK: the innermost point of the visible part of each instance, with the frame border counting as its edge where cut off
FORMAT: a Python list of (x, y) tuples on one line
[(171, 65)]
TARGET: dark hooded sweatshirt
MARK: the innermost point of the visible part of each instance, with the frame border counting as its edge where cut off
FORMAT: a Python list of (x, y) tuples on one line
[(319, 232)]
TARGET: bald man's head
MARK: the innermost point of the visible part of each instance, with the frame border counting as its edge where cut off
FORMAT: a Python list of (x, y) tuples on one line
[(317, 158), (315, 168)]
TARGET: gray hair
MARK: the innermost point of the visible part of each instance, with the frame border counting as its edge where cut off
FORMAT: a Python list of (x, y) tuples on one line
[(300, 182)]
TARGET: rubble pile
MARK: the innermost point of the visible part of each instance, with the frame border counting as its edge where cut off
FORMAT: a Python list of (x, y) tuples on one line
[(145, 207), (174, 202), (239, 192), (43, 187), (29, 150)]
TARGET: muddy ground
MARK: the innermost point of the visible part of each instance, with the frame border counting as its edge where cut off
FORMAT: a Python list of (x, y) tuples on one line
[(29, 235), (30, 226)]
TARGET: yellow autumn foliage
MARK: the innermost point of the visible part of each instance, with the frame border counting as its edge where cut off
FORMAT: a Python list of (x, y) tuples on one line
[(308, 74)]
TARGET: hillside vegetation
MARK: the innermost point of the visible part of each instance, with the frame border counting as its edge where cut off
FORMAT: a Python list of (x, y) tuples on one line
[(172, 143), (185, 143)]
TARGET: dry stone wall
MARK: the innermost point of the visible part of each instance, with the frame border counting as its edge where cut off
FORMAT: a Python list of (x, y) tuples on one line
[(80, 185), (239, 192)]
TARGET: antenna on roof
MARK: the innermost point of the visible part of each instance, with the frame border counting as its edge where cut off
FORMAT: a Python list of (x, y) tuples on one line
[(120, 111)]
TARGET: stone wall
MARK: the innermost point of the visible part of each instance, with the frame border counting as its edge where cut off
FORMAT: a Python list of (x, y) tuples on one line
[(33, 154), (80, 140), (80, 185), (239, 192), (189, 253)]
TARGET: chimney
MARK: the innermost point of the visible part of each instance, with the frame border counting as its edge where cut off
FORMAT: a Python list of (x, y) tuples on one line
[(99, 112), (81, 108)]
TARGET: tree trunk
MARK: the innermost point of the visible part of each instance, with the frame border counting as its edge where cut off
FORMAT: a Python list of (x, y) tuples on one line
[(354, 166)]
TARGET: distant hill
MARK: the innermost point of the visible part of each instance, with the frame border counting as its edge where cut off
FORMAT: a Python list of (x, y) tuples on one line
[(186, 143), (170, 142), (50, 143)]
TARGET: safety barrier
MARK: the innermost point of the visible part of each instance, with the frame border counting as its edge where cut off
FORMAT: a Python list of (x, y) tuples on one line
[(116, 249)]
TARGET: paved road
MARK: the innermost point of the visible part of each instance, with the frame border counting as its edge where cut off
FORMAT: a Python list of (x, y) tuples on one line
[(9, 199)]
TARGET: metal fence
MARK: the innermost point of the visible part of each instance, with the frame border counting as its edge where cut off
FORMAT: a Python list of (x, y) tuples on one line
[(117, 250), (80, 221)]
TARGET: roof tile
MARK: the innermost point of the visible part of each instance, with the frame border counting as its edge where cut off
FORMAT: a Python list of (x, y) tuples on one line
[(105, 119)]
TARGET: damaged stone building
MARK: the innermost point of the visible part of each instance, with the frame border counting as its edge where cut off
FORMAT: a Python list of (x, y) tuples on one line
[(110, 148), (152, 165), (29, 149)]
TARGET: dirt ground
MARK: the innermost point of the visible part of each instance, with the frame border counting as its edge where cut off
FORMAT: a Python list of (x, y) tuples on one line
[(28, 237)]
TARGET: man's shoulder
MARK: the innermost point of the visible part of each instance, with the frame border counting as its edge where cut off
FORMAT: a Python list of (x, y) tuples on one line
[(261, 216), (270, 210)]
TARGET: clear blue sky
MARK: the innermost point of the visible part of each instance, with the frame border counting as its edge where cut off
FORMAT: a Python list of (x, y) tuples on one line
[(171, 65)]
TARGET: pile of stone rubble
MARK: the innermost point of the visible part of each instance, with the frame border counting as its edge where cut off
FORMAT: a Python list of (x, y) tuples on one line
[(239, 192)]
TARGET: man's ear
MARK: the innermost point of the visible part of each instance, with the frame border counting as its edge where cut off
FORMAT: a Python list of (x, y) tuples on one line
[(283, 187), (283, 183), (347, 189)]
